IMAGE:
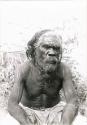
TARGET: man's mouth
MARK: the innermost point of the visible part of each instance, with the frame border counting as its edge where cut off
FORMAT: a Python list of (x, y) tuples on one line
[(52, 62)]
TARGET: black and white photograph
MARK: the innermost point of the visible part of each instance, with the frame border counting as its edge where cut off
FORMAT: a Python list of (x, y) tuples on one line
[(43, 62)]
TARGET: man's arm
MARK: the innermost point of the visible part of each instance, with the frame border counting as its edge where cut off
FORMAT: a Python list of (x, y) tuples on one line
[(71, 108), (13, 104)]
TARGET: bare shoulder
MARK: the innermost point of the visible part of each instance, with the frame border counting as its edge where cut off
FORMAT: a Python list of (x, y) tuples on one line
[(66, 71), (25, 66), (23, 69)]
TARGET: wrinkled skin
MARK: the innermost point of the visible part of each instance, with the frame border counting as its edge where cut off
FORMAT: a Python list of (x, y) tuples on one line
[(48, 53), (37, 85)]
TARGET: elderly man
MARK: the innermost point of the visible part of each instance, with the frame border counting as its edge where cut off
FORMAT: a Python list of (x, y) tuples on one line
[(35, 98)]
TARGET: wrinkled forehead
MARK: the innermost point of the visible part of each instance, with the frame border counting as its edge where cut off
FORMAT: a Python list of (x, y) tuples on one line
[(50, 38)]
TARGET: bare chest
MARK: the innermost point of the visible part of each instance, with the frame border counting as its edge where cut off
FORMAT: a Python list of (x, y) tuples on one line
[(36, 86)]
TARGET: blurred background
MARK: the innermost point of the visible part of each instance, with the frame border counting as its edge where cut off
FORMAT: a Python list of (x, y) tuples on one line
[(20, 20)]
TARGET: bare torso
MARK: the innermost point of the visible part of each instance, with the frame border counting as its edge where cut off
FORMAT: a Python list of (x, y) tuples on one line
[(41, 90)]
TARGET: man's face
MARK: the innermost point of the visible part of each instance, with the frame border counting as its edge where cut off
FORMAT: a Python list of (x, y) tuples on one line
[(48, 52)]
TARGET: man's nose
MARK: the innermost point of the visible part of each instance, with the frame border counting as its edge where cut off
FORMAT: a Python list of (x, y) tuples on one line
[(51, 52)]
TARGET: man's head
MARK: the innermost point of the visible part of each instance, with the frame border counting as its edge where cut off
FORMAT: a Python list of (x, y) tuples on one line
[(45, 49)]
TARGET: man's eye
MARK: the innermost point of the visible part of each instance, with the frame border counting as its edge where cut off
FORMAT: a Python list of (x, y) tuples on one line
[(46, 47), (57, 48)]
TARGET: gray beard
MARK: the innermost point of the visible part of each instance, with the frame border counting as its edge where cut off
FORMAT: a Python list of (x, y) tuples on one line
[(49, 68), (46, 68)]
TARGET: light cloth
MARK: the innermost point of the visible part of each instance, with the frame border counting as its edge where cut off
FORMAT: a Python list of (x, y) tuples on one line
[(45, 116), (48, 116)]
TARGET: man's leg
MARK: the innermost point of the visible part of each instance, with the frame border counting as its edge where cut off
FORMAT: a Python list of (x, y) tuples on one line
[(55, 114), (7, 119), (32, 115)]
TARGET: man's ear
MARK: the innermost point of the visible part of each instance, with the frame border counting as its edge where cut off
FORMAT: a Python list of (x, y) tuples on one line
[(29, 52)]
